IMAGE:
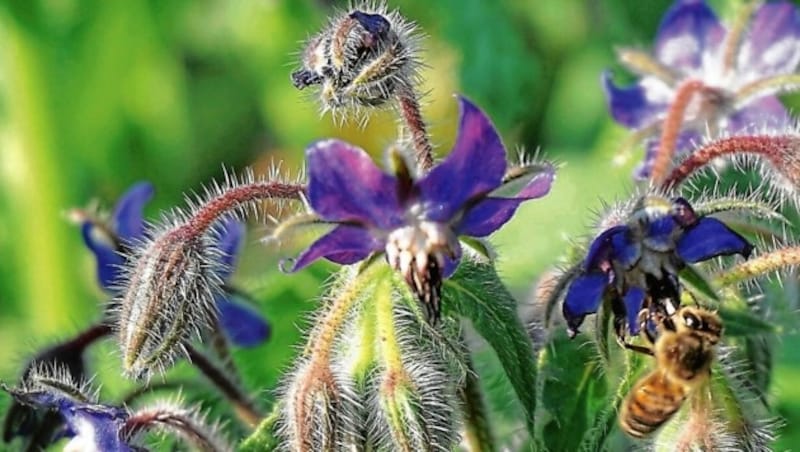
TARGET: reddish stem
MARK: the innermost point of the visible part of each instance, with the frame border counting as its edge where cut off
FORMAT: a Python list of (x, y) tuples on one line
[(412, 118), (672, 127), (773, 148), (235, 197)]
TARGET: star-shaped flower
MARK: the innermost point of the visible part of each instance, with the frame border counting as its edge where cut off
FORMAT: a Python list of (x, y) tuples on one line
[(730, 73), (636, 264), (417, 221), (111, 241)]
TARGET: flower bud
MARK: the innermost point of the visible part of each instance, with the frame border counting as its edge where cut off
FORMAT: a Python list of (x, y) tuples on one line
[(361, 59), (170, 295)]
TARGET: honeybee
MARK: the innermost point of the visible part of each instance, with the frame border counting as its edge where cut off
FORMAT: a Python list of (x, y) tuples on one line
[(684, 350)]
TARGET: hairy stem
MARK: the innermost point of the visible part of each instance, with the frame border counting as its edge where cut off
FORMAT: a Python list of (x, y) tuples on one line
[(672, 127), (412, 119), (234, 198), (766, 263), (243, 406), (778, 150)]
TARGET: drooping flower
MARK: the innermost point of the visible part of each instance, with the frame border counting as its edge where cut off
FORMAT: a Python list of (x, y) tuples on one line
[(635, 265), (729, 73), (95, 427), (417, 221), (113, 240)]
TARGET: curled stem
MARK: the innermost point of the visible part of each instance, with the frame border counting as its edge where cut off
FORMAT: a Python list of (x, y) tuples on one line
[(761, 265), (234, 198), (775, 149)]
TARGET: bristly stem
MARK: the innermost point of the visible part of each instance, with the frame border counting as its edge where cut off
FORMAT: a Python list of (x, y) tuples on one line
[(778, 150), (766, 263), (234, 198), (243, 406), (412, 119), (672, 127)]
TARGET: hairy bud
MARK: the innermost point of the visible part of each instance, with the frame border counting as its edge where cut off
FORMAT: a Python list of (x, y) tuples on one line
[(170, 295), (361, 59)]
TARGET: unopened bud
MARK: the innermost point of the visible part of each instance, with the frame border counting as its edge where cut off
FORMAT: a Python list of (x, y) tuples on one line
[(169, 296)]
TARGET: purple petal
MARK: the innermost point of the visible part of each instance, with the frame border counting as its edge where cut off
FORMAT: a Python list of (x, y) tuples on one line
[(583, 297), (633, 300), (451, 263), (601, 250), (490, 214), (127, 220), (96, 427), (109, 262), (345, 244), (772, 46), (241, 322), (688, 30), (766, 111), (373, 23), (629, 106), (711, 238), (344, 185), (475, 166), (228, 242)]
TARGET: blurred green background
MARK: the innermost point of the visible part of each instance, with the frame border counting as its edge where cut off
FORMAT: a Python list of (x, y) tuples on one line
[(98, 94)]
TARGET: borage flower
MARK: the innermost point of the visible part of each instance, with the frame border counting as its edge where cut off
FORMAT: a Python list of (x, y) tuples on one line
[(112, 241), (417, 222), (95, 427), (707, 75), (635, 265)]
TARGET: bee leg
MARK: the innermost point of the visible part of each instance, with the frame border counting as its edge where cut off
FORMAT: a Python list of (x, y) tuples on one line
[(638, 348)]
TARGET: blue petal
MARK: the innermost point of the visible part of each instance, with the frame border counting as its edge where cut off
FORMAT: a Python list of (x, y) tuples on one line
[(100, 424), (345, 244), (711, 238), (490, 214), (629, 106), (228, 242), (475, 166), (633, 300), (601, 250), (242, 323), (373, 23), (109, 262), (659, 236), (583, 297), (626, 252), (127, 220), (688, 31)]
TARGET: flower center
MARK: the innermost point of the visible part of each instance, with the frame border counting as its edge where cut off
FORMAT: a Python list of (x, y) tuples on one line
[(419, 252)]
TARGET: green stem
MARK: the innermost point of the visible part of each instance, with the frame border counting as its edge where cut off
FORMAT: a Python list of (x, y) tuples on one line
[(478, 433)]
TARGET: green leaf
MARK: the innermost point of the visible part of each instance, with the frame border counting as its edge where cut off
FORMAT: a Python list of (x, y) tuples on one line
[(742, 322), (698, 283), (573, 391), (477, 293)]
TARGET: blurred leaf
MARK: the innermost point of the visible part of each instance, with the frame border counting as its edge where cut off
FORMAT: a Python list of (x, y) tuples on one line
[(572, 394), (698, 283), (742, 322), (476, 292)]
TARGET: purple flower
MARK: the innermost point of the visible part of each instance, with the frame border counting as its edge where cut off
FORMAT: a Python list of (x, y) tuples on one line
[(90, 426), (112, 241), (739, 77), (635, 265), (416, 222)]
